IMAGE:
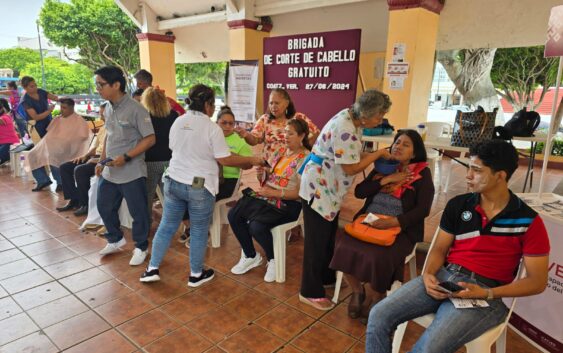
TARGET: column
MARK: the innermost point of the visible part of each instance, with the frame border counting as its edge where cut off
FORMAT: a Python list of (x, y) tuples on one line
[(413, 23), (157, 56)]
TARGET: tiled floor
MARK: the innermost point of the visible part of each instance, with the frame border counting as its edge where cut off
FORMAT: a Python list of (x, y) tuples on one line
[(57, 293)]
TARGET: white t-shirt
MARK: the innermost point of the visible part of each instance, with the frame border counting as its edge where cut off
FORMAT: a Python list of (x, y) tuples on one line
[(196, 142)]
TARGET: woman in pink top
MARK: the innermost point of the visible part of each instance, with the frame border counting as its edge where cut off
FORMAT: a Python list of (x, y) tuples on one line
[(7, 131), (14, 97)]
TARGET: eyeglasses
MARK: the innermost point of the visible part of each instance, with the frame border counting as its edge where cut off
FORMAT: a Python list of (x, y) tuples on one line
[(232, 123), (100, 85)]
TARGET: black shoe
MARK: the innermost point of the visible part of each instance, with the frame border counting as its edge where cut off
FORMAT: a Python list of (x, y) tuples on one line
[(150, 276), (41, 186), (206, 276), (59, 188), (185, 236), (81, 211), (71, 205)]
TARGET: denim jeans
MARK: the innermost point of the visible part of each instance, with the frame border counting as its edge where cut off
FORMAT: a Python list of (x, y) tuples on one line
[(177, 198), (110, 196), (4, 152), (41, 176), (449, 331), (76, 181)]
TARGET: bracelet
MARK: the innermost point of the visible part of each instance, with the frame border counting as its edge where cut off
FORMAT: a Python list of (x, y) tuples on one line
[(282, 193)]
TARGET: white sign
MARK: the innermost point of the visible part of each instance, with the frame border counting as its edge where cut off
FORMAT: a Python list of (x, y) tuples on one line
[(243, 84), (397, 69), (399, 53)]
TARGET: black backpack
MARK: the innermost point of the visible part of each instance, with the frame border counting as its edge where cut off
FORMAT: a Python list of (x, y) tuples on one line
[(523, 123)]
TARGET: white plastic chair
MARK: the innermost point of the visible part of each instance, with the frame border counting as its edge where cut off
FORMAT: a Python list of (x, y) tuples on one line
[(280, 244), (219, 213), (479, 345)]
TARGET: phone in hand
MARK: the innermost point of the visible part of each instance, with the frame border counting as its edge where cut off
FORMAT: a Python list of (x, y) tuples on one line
[(449, 287), (106, 161)]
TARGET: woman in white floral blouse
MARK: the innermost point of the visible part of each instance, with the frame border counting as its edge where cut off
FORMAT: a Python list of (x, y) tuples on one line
[(328, 174)]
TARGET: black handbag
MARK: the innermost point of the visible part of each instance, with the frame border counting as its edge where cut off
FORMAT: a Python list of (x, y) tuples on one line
[(523, 123), (473, 127), (254, 208)]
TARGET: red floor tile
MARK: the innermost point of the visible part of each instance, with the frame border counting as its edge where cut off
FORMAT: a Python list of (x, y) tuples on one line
[(40, 295), (217, 324), (124, 309), (251, 339), (148, 327), (251, 305), (103, 293), (30, 238), (188, 307), (322, 338), (285, 321), (221, 289), (69, 267), (85, 279), (54, 256), (108, 342), (180, 341)]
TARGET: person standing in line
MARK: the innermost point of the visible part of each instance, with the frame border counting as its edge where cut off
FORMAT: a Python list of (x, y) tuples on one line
[(129, 133)]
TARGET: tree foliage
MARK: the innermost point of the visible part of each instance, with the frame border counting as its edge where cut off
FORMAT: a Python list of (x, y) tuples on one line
[(61, 77), (518, 72), (103, 34), (210, 74), (17, 58)]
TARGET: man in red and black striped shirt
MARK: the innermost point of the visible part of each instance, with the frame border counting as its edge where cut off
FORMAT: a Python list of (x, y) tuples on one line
[(483, 236)]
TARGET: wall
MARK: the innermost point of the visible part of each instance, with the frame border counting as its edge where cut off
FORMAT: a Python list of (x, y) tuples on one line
[(370, 72)]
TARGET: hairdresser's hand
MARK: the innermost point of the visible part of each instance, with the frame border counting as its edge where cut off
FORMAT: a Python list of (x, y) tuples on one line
[(241, 132), (99, 169), (383, 153)]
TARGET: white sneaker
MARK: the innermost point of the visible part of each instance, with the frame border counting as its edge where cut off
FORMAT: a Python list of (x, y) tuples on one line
[(113, 247), (138, 257), (270, 275), (245, 264)]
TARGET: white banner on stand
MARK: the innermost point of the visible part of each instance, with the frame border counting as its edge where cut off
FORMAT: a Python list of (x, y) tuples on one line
[(243, 85)]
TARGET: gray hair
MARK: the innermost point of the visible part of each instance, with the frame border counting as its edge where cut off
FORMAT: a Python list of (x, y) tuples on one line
[(370, 103)]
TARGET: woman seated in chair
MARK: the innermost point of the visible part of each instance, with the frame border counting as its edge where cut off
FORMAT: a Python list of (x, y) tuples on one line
[(406, 196), (228, 176), (281, 184)]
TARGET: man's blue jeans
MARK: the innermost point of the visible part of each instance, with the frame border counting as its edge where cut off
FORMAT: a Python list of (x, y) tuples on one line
[(177, 198), (110, 196), (449, 331), (41, 176)]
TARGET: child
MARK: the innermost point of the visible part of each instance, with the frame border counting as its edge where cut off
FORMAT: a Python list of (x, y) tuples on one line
[(8, 134)]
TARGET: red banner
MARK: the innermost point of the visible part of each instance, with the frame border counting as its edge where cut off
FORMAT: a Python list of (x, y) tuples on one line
[(319, 71), (554, 43)]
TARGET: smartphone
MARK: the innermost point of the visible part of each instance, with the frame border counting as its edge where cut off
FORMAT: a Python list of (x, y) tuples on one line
[(198, 182), (106, 161), (449, 287)]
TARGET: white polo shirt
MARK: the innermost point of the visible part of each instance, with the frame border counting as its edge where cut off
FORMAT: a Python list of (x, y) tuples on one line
[(196, 142)]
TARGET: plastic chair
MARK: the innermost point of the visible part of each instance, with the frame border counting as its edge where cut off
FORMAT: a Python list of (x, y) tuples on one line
[(410, 260), (280, 244), (218, 215), (479, 345), (435, 130)]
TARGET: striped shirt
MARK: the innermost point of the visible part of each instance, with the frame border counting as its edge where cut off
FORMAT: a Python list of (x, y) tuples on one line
[(493, 247)]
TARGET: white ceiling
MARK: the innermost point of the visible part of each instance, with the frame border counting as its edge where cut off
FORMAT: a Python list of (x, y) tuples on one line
[(463, 23)]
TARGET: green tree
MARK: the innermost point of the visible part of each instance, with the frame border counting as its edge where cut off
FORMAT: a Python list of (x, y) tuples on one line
[(210, 74), (103, 34), (17, 58), (518, 72), (62, 77)]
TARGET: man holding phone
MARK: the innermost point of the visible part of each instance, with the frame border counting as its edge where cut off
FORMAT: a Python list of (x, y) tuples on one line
[(483, 236), (122, 169)]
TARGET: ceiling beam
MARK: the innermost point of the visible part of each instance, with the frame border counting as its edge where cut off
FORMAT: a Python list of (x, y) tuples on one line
[(131, 9), (216, 16), (281, 7)]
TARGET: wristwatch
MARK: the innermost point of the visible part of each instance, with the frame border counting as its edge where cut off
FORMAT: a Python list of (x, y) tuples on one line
[(490, 295), (127, 157)]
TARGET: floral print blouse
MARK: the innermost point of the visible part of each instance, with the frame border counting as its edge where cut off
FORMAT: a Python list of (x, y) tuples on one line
[(339, 143), (272, 134), (284, 175)]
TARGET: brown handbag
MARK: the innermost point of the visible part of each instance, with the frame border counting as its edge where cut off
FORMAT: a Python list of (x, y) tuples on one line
[(473, 127)]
